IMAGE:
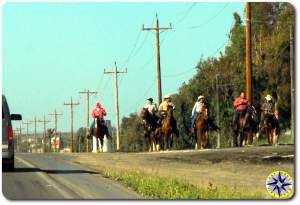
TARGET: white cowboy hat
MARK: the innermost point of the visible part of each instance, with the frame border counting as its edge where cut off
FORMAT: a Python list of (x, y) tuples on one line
[(167, 96), (201, 97), (268, 97)]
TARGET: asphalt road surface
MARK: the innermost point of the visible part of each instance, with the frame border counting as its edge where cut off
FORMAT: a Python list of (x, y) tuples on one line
[(45, 177)]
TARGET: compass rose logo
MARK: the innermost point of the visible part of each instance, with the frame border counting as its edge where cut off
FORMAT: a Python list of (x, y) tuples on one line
[(280, 184)]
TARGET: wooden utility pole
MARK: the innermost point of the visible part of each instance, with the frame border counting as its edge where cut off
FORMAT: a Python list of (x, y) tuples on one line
[(116, 72), (27, 138), (292, 61), (88, 93), (18, 132), (218, 110), (55, 114), (35, 138), (44, 121), (157, 29), (72, 104), (248, 52)]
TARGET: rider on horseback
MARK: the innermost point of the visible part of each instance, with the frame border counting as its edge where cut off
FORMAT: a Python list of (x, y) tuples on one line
[(151, 107), (162, 109), (241, 105), (268, 109), (98, 111), (197, 109)]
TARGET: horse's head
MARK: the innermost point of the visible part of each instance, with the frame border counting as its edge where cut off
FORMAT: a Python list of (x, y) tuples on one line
[(144, 113), (204, 111), (170, 110)]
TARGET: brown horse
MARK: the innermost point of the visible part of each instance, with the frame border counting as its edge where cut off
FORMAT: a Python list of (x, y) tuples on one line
[(168, 129), (246, 128), (202, 128), (150, 127), (99, 131), (271, 129)]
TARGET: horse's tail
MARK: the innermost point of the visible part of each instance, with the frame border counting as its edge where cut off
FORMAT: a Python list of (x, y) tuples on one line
[(212, 125)]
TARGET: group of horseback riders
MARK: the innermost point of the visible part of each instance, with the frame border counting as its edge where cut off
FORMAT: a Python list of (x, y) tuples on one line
[(158, 114)]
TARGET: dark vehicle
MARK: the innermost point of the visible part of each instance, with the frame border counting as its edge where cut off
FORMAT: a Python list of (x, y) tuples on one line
[(7, 136)]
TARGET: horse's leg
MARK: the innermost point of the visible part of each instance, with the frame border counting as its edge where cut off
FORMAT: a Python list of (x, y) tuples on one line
[(275, 137), (206, 139), (250, 137), (94, 144), (102, 143), (269, 135), (241, 138), (235, 138), (199, 133), (171, 140)]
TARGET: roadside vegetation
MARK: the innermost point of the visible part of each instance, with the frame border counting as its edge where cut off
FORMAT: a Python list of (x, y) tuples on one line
[(156, 187)]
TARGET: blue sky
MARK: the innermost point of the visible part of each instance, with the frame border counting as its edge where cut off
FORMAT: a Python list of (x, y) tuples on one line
[(51, 51)]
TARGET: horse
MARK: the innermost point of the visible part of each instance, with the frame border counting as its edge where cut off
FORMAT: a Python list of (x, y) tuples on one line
[(150, 126), (270, 128), (202, 128), (99, 131), (246, 127), (168, 129)]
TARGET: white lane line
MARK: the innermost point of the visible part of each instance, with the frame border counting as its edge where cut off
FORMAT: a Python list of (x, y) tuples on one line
[(47, 179)]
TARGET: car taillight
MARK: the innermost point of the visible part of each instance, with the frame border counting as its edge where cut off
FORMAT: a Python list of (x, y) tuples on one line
[(10, 133)]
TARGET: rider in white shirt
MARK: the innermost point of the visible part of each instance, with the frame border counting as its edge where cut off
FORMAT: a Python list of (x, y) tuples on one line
[(152, 107), (197, 109)]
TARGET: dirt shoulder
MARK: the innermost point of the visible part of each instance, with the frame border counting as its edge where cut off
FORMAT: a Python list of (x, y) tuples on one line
[(241, 168)]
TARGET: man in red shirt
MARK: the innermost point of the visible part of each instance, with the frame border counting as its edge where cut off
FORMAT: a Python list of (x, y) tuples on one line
[(241, 104), (98, 111)]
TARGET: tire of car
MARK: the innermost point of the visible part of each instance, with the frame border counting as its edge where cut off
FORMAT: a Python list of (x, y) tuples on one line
[(8, 165)]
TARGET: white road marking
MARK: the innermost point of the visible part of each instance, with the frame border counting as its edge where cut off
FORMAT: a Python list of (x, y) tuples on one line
[(47, 179)]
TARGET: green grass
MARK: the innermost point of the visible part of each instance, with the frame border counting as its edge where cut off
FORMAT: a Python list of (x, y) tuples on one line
[(155, 187)]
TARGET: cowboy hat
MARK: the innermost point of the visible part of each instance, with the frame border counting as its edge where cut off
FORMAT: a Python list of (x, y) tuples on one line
[(201, 97), (268, 97), (167, 96)]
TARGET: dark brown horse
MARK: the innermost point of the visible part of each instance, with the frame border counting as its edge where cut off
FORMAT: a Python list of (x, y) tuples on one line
[(99, 131), (271, 128), (168, 129), (150, 133), (245, 128)]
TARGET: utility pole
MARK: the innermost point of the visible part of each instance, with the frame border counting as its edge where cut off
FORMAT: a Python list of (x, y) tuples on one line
[(248, 52), (218, 109), (116, 72), (72, 104), (44, 121), (16, 133), (88, 93), (35, 138), (55, 114), (292, 82), (27, 138), (157, 29)]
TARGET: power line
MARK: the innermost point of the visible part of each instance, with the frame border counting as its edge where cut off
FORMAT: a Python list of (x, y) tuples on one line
[(209, 20), (185, 14), (142, 97)]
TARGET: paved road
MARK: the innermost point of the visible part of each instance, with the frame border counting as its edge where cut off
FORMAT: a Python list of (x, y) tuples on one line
[(49, 177)]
